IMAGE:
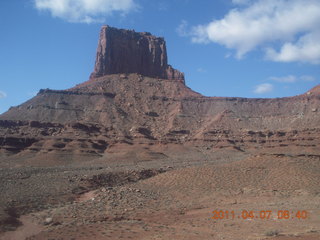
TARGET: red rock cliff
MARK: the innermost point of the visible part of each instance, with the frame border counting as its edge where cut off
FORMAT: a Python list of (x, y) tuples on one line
[(125, 51)]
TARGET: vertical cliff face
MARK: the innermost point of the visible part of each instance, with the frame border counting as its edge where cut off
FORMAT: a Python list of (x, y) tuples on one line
[(125, 51)]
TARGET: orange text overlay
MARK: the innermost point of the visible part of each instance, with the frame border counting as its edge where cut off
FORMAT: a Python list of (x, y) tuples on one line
[(263, 214)]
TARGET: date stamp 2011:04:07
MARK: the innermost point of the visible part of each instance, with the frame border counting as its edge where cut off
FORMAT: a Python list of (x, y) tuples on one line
[(263, 214)]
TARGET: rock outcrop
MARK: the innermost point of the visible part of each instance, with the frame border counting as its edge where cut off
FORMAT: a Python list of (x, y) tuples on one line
[(125, 51)]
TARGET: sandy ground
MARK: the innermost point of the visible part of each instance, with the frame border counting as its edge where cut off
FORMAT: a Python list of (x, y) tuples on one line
[(179, 204)]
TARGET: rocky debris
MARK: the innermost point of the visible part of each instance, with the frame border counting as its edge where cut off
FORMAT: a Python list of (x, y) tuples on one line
[(48, 221), (125, 51), (46, 188)]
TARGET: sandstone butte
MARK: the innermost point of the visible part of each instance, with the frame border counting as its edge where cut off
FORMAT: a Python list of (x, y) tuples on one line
[(135, 101), (124, 51)]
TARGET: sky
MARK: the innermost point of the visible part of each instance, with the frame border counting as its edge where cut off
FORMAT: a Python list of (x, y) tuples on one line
[(230, 48)]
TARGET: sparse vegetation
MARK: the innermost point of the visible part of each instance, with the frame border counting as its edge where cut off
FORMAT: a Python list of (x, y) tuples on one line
[(272, 233)]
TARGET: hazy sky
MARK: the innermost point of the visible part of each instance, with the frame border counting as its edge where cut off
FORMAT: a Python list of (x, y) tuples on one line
[(245, 48)]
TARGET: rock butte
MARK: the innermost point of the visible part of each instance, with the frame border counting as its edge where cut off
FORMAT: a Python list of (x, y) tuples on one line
[(125, 51), (134, 99)]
